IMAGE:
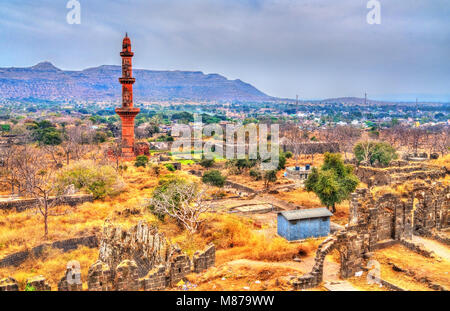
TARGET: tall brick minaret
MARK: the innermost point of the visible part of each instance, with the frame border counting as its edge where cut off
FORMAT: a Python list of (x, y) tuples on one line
[(127, 112)]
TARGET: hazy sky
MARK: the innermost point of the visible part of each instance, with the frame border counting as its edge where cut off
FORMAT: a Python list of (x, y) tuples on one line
[(316, 48)]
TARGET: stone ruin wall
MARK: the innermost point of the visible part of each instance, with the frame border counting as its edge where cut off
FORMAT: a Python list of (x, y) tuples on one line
[(20, 205), (129, 260), (398, 172), (378, 222)]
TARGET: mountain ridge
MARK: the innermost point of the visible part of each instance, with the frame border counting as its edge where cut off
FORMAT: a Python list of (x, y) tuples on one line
[(46, 81)]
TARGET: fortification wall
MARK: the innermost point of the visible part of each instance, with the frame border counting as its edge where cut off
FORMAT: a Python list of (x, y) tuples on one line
[(66, 245), (20, 205), (398, 172)]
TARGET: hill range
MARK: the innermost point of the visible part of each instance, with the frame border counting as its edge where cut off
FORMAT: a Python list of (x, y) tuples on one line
[(46, 82)]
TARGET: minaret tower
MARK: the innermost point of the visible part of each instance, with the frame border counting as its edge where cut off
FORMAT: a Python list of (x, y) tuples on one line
[(127, 112)]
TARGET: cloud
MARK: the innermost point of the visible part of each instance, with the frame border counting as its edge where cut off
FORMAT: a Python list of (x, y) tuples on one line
[(318, 48)]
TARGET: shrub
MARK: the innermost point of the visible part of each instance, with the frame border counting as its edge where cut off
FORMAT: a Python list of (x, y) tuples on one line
[(288, 155), (373, 152), (281, 162), (256, 174), (156, 170), (214, 178), (270, 177), (207, 163), (141, 161), (170, 167), (100, 181)]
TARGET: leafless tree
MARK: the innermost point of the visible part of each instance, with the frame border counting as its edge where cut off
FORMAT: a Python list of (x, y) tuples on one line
[(78, 140), (36, 177), (184, 202), (295, 139), (114, 152), (346, 137), (8, 173)]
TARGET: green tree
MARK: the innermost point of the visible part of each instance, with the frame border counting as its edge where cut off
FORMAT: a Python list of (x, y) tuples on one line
[(270, 177), (281, 162), (374, 152), (5, 127), (214, 178), (141, 161), (334, 182), (45, 133)]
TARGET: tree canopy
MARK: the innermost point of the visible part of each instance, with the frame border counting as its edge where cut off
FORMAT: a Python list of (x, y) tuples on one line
[(333, 182), (375, 152)]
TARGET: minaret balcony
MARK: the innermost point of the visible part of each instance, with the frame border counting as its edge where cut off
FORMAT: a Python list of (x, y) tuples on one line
[(128, 111), (127, 80), (126, 54)]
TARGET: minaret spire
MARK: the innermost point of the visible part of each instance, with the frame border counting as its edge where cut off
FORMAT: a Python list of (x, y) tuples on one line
[(127, 112)]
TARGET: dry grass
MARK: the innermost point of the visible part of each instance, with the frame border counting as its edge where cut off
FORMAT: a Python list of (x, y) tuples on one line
[(236, 240), (242, 275), (420, 266), (442, 161), (52, 265), (19, 231)]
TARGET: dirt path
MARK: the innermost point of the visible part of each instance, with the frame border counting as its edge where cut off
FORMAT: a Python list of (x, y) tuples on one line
[(330, 272), (439, 249)]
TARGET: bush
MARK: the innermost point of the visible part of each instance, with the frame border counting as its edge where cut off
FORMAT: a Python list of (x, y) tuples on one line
[(170, 167), (141, 161), (256, 174), (288, 155), (100, 181), (282, 162), (156, 170), (373, 152), (214, 178), (207, 163)]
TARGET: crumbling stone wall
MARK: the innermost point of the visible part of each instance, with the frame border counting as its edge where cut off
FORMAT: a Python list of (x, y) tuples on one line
[(141, 259), (9, 285), (38, 283), (16, 259), (431, 206), (179, 265), (142, 244), (203, 260), (20, 205), (398, 172), (352, 248), (129, 260), (100, 277), (127, 276), (155, 280), (64, 285), (387, 217), (377, 221)]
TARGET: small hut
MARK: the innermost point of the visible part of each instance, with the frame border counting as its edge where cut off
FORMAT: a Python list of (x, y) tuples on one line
[(306, 223)]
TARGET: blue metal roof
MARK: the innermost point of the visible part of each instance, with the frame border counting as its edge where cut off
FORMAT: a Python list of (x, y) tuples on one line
[(306, 213)]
